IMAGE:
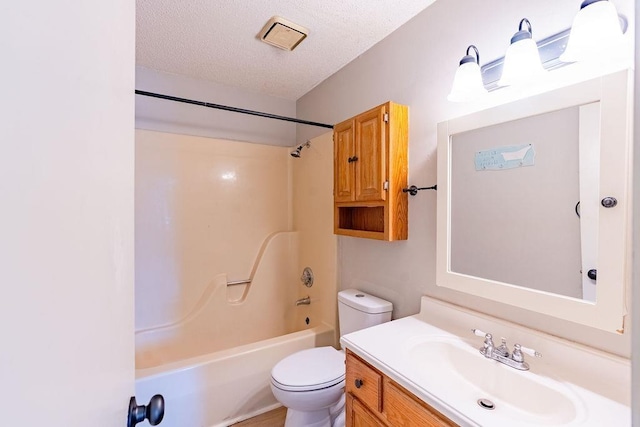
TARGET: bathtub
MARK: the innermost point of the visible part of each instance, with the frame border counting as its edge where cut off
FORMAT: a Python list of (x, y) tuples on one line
[(213, 366), (227, 386)]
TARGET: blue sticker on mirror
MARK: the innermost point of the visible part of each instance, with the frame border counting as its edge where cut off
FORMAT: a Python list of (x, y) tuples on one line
[(501, 158)]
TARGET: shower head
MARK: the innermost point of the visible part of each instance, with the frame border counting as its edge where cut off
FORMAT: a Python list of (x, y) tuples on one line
[(298, 150)]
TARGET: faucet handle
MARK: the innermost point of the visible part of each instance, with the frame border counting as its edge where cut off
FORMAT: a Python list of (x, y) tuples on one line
[(518, 350), (479, 333), (531, 352)]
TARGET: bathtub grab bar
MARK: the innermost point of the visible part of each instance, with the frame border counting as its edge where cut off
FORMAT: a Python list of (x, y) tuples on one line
[(239, 282)]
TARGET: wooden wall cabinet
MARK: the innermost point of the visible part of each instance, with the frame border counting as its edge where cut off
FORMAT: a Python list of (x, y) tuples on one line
[(374, 400), (370, 171)]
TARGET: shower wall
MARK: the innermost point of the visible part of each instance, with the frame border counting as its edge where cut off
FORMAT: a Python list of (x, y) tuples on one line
[(313, 219), (204, 207)]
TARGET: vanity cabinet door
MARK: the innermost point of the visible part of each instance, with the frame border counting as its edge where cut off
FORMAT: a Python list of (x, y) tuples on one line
[(359, 416), (401, 409)]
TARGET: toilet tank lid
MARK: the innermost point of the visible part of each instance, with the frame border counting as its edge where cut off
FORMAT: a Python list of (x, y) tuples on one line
[(364, 302)]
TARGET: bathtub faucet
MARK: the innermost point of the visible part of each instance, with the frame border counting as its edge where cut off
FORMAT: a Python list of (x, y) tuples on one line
[(304, 301)]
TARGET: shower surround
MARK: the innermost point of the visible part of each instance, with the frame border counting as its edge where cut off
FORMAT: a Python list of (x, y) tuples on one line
[(214, 211)]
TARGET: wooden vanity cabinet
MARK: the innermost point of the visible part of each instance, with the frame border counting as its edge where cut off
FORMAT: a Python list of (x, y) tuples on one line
[(375, 400), (370, 171)]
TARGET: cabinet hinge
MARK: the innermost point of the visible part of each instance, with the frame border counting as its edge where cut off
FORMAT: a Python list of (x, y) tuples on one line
[(386, 117), (385, 186)]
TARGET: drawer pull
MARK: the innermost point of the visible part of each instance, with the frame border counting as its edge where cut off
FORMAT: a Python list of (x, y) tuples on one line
[(358, 383)]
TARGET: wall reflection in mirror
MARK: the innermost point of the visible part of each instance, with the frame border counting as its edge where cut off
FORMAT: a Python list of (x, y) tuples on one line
[(524, 201)]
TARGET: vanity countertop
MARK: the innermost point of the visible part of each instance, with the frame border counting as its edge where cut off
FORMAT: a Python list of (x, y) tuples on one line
[(435, 355)]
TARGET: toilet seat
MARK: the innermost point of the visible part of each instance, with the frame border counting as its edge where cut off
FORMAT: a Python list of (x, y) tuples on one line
[(308, 370)]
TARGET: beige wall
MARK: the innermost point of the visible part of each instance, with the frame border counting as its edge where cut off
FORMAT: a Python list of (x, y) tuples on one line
[(415, 66), (204, 207), (313, 219)]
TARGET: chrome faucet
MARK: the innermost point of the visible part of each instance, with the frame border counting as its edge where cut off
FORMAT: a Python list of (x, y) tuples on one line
[(501, 353), (304, 301)]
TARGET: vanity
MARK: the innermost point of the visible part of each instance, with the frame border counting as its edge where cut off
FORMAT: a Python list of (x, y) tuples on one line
[(427, 370), (533, 212)]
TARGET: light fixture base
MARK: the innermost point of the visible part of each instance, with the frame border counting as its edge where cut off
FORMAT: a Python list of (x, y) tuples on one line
[(550, 50)]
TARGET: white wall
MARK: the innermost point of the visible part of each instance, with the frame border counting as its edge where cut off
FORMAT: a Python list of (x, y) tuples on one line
[(415, 66), (635, 350), (168, 116), (66, 185)]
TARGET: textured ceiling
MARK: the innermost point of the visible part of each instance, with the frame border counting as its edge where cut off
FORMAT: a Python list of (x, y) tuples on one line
[(217, 39)]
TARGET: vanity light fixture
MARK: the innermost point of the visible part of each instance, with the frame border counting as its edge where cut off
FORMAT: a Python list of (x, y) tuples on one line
[(467, 83), (522, 61), (595, 33)]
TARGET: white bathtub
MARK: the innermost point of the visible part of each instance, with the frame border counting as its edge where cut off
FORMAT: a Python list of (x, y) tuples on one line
[(213, 366), (225, 387)]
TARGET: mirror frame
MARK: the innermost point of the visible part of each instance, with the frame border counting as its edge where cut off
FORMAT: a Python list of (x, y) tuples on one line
[(613, 92)]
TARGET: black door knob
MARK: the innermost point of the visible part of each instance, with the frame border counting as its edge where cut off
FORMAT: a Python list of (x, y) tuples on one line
[(609, 202), (592, 274), (154, 411), (358, 383)]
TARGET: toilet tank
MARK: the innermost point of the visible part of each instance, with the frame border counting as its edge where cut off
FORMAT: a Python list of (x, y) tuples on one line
[(358, 310)]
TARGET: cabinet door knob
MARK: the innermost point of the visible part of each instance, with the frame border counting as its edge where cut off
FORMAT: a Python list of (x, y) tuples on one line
[(358, 383), (352, 159)]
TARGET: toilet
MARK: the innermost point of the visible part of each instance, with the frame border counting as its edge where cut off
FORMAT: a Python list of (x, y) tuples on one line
[(310, 383)]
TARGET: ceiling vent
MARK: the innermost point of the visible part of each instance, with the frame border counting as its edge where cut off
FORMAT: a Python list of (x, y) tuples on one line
[(282, 33)]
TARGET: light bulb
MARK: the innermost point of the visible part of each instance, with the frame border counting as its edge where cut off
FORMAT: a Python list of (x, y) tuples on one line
[(522, 61), (467, 83), (595, 34)]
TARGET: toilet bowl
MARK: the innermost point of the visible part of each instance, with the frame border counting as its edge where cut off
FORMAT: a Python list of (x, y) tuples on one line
[(310, 383)]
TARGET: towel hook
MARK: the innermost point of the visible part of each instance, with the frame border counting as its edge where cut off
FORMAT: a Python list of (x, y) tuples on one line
[(413, 190)]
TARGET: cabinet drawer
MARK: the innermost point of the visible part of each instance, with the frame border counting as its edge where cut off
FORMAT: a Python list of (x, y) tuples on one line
[(400, 409), (363, 382)]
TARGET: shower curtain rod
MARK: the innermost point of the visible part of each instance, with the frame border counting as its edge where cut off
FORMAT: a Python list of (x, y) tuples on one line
[(233, 109)]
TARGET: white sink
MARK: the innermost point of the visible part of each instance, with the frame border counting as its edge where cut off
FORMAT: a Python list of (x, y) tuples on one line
[(457, 369), (434, 356)]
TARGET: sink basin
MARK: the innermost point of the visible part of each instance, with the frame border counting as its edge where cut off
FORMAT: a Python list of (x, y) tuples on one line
[(455, 370)]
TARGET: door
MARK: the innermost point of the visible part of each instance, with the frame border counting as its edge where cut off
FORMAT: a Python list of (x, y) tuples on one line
[(344, 155), (66, 185), (370, 167)]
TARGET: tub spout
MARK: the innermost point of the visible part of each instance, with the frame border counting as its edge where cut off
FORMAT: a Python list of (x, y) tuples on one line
[(304, 301)]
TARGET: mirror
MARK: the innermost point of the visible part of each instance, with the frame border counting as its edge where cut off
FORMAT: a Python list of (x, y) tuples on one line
[(520, 217)]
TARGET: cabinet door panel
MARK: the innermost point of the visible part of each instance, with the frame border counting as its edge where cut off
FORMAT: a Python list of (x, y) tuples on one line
[(344, 149), (361, 417), (400, 409), (370, 168)]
